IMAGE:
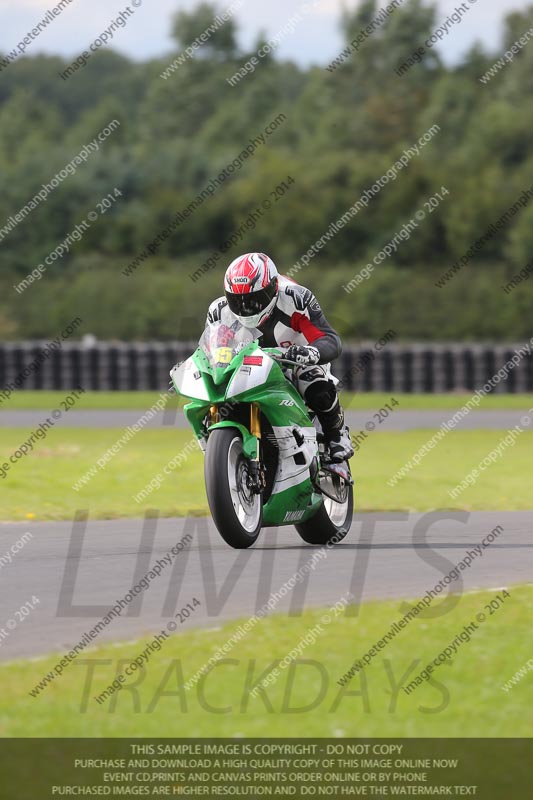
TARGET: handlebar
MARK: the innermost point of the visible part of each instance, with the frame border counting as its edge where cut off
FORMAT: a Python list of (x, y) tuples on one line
[(282, 360)]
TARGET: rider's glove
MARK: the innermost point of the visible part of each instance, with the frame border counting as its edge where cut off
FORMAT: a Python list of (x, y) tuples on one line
[(305, 356)]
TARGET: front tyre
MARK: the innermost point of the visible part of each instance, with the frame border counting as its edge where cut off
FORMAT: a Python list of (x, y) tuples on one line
[(237, 511), (331, 523)]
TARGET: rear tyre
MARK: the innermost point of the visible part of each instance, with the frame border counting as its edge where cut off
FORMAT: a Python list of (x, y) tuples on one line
[(237, 512), (331, 523)]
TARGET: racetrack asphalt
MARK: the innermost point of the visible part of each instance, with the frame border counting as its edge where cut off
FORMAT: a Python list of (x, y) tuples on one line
[(92, 565), (357, 420)]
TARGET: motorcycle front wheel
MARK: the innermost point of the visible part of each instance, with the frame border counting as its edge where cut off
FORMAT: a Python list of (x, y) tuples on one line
[(236, 510)]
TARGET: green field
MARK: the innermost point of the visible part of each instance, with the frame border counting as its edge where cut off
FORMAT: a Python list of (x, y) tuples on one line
[(40, 485), (464, 699), (89, 401), (143, 400)]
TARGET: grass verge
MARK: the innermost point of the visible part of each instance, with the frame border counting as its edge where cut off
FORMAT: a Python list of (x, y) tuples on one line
[(463, 699), (141, 401), (40, 486), (89, 401)]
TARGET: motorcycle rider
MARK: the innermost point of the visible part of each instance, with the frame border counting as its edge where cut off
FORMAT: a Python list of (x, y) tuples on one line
[(289, 316)]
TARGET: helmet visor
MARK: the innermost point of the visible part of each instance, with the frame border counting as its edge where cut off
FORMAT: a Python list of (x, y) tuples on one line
[(248, 305)]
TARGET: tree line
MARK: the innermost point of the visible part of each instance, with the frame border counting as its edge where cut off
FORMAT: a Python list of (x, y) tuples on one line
[(182, 171)]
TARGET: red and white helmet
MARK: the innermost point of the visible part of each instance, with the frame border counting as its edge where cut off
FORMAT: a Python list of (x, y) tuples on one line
[(251, 287)]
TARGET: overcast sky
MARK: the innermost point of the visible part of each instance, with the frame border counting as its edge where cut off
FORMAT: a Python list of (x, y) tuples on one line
[(315, 40)]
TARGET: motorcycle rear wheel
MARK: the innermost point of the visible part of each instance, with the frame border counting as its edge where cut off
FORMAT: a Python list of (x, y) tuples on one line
[(331, 523)]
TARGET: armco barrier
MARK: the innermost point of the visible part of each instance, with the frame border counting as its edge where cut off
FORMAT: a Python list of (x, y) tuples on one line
[(120, 366)]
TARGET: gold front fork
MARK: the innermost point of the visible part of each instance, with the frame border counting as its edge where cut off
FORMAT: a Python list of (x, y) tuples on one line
[(255, 426), (214, 415), (255, 421)]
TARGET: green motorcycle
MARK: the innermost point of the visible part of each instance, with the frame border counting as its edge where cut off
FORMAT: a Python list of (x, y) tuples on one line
[(265, 457)]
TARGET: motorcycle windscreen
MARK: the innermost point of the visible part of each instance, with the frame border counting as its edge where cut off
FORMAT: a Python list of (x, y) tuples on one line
[(221, 342)]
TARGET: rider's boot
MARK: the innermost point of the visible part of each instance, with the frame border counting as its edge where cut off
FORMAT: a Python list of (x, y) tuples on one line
[(336, 433)]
